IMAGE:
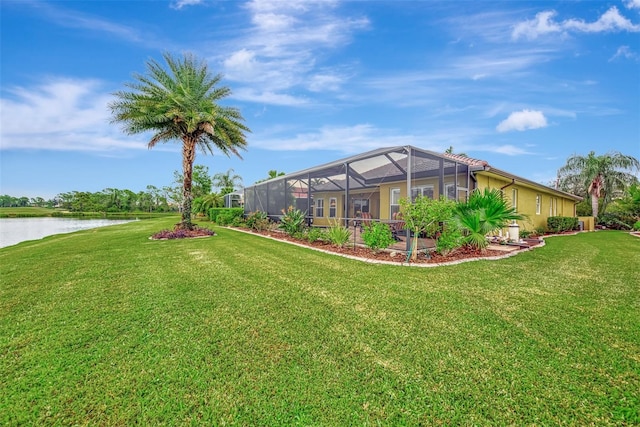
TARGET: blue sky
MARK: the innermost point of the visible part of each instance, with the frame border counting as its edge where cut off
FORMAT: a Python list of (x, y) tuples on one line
[(522, 85)]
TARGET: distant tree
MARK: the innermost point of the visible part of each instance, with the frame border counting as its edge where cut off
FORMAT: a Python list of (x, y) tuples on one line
[(271, 174), (600, 177), (202, 182), (450, 151), (181, 103), (227, 182)]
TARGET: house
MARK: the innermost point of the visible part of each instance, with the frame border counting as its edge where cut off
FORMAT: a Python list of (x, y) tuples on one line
[(371, 185)]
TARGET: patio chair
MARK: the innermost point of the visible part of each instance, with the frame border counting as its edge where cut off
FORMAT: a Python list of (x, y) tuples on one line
[(365, 220), (397, 225)]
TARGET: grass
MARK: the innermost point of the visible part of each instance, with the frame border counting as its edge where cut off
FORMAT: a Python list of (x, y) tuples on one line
[(105, 327)]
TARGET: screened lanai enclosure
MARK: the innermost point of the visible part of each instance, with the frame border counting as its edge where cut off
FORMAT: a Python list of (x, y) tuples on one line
[(368, 185)]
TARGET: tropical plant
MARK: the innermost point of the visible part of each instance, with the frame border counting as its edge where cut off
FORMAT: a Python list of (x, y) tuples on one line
[(425, 215), (630, 202), (338, 234), (377, 235), (485, 212), (273, 173), (600, 177), (258, 221), (449, 239), (315, 234), (181, 103), (202, 204), (292, 221), (227, 181)]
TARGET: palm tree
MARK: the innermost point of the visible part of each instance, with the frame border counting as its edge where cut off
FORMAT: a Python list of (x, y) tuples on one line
[(602, 176), (181, 103), (227, 182), (485, 212)]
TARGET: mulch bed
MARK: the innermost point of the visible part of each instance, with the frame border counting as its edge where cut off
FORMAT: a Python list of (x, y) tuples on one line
[(458, 255)]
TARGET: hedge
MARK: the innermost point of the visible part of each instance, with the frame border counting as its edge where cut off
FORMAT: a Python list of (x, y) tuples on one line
[(562, 223), (226, 215)]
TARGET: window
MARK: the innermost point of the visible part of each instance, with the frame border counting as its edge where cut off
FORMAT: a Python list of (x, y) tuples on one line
[(423, 190), (538, 203), (514, 199), (553, 206), (333, 203), (395, 201), (450, 190), (319, 208), (360, 206)]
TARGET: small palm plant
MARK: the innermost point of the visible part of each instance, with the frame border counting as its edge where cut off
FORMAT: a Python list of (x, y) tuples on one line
[(485, 212), (292, 221)]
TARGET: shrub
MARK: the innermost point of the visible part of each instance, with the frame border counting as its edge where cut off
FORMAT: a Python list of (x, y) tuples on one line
[(228, 213), (182, 233), (525, 233), (559, 224), (315, 234), (425, 215), (338, 234), (292, 222), (377, 235), (229, 216), (636, 226), (258, 221), (616, 221), (450, 239), (539, 231)]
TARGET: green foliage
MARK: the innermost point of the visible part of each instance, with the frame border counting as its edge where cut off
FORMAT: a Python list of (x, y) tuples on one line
[(630, 203), (449, 239), (227, 214), (426, 215), (584, 208), (338, 234), (616, 221), (539, 230), (485, 212), (525, 233), (377, 235), (315, 234), (559, 224), (179, 101), (292, 221), (636, 226), (258, 221)]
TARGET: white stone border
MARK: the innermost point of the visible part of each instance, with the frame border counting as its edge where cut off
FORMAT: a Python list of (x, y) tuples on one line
[(405, 264)]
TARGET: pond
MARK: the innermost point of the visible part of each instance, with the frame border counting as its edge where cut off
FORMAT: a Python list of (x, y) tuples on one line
[(16, 230)]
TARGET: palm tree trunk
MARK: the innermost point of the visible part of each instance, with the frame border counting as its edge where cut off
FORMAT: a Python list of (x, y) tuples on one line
[(188, 158), (594, 205)]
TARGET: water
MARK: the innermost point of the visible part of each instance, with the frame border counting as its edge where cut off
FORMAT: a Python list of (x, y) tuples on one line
[(16, 230)]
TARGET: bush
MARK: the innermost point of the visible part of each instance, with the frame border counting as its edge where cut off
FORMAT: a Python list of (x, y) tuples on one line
[(228, 213), (636, 226), (377, 235), (450, 239), (616, 221), (181, 233), (338, 235), (559, 224), (315, 234), (229, 217), (539, 231), (292, 222), (258, 221)]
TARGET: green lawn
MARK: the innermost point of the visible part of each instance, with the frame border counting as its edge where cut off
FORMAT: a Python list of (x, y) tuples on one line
[(106, 327)]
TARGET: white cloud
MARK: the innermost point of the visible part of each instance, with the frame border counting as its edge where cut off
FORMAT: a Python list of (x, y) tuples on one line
[(60, 114), (506, 149), (624, 52), (544, 24), (632, 4), (522, 120), (283, 47), (179, 4)]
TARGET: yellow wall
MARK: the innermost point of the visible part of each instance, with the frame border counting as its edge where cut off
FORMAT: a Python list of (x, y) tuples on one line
[(526, 200), (379, 201)]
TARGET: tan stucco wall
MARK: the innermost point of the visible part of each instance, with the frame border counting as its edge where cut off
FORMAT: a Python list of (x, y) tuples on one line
[(526, 200)]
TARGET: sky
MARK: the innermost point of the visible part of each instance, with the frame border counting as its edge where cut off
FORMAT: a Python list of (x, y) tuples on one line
[(522, 85)]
